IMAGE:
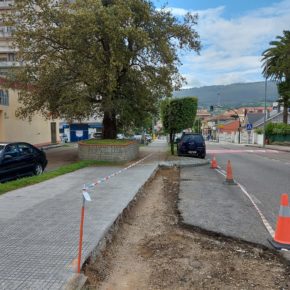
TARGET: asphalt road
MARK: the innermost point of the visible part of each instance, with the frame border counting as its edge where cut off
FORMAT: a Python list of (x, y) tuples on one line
[(265, 175)]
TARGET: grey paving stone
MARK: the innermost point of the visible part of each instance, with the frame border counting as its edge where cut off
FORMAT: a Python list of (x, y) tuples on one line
[(39, 224)]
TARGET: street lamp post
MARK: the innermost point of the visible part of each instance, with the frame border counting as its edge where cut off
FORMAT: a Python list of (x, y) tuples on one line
[(265, 114)]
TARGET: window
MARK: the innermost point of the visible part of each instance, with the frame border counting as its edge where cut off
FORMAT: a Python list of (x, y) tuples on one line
[(25, 149), (11, 150), (4, 98)]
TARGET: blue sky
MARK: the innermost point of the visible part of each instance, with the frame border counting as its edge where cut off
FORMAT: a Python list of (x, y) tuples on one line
[(233, 35)]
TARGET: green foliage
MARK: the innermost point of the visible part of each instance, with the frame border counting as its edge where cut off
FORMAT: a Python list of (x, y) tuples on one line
[(276, 59), (197, 126), (277, 66), (19, 183), (177, 115), (259, 130), (277, 129), (107, 58)]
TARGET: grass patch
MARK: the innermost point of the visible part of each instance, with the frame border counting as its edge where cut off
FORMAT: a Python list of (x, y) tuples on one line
[(19, 183), (106, 142)]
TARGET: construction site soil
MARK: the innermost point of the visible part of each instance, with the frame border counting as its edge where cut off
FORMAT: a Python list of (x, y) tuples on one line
[(153, 250)]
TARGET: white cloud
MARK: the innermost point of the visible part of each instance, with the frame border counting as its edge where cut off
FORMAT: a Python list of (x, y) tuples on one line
[(232, 47)]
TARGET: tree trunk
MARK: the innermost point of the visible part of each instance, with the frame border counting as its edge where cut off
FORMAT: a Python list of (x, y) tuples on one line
[(171, 139), (109, 125)]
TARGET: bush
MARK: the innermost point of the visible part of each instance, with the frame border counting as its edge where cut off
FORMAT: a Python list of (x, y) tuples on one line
[(259, 131), (277, 129)]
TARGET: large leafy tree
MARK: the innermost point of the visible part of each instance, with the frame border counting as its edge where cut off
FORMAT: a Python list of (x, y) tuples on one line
[(112, 58), (177, 115), (276, 65)]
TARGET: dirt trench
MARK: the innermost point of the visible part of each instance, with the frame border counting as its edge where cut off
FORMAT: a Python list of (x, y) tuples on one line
[(152, 250)]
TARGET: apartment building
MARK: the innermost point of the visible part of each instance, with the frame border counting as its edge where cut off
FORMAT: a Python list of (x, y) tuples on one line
[(7, 53), (38, 131)]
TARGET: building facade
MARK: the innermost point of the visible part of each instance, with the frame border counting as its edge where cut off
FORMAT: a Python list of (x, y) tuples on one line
[(38, 131), (7, 52)]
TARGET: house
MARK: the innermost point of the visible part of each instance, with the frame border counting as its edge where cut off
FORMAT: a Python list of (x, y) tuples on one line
[(252, 118), (229, 126)]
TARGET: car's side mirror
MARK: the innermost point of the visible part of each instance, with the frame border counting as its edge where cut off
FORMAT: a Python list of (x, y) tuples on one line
[(177, 140)]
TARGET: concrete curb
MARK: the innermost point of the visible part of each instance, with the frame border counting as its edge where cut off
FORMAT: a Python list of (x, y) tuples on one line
[(181, 163), (78, 280), (51, 146)]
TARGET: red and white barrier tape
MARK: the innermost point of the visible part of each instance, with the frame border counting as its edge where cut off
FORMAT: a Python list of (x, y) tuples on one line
[(106, 178)]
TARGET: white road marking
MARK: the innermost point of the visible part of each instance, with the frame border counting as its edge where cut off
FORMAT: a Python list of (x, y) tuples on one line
[(233, 151), (264, 220)]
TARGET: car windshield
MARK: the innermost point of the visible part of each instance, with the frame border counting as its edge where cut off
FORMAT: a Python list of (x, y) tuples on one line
[(196, 138)]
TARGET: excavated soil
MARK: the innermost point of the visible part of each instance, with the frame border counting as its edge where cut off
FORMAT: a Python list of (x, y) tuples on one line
[(152, 250)]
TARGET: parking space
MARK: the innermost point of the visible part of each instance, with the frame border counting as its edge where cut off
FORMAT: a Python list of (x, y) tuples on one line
[(62, 155)]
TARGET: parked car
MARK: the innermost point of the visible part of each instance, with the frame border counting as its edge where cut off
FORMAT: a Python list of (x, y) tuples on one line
[(191, 144), (148, 138), (137, 136), (121, 136), (18, 159)]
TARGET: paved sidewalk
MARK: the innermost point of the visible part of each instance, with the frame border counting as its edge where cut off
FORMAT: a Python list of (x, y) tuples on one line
[(208, 203), (39, 224)]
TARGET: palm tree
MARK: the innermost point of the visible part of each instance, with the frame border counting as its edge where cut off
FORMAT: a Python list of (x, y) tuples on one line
[(276, 65)]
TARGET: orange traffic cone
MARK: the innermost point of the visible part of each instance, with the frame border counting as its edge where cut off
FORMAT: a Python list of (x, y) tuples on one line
[(213, 163), (282, 235), (229, 177)]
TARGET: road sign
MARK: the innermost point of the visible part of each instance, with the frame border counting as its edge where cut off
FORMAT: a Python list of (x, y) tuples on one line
[(249, 127)]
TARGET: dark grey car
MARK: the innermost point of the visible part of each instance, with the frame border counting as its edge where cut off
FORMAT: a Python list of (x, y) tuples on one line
[(18, 159)]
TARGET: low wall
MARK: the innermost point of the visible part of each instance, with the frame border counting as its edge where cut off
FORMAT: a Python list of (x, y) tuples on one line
[(114, 153)]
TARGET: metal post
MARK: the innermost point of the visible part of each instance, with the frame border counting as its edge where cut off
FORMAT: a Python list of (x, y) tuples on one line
[(239, 130), (265, 114), (81, 236)]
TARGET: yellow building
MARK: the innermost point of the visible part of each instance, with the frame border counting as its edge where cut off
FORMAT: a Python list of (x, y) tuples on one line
[(38, 132)]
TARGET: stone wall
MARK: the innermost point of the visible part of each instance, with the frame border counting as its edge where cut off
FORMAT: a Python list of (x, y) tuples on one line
[(114, 153)]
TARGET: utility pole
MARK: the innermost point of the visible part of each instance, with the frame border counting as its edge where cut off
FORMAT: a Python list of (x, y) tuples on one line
[(265, 114)]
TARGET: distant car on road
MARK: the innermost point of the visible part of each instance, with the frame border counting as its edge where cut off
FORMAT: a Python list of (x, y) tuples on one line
[(191, 144), (18, 159), (148, 138), (137, 136), (121, 136)]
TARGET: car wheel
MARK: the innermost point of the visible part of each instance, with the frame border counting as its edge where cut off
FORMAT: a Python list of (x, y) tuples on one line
[(38, 169), (202, 156)]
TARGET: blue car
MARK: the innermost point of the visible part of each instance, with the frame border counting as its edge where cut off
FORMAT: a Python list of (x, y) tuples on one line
[(191, 144)]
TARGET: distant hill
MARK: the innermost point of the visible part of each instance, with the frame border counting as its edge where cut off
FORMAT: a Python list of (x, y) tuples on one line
[(234, 95)]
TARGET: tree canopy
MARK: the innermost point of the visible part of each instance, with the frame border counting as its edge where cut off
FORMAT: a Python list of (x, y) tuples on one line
[(178, 115), (111, 58), (276, 65)]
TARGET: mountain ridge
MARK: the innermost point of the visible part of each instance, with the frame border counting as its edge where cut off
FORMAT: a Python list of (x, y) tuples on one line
[(232, 95)]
